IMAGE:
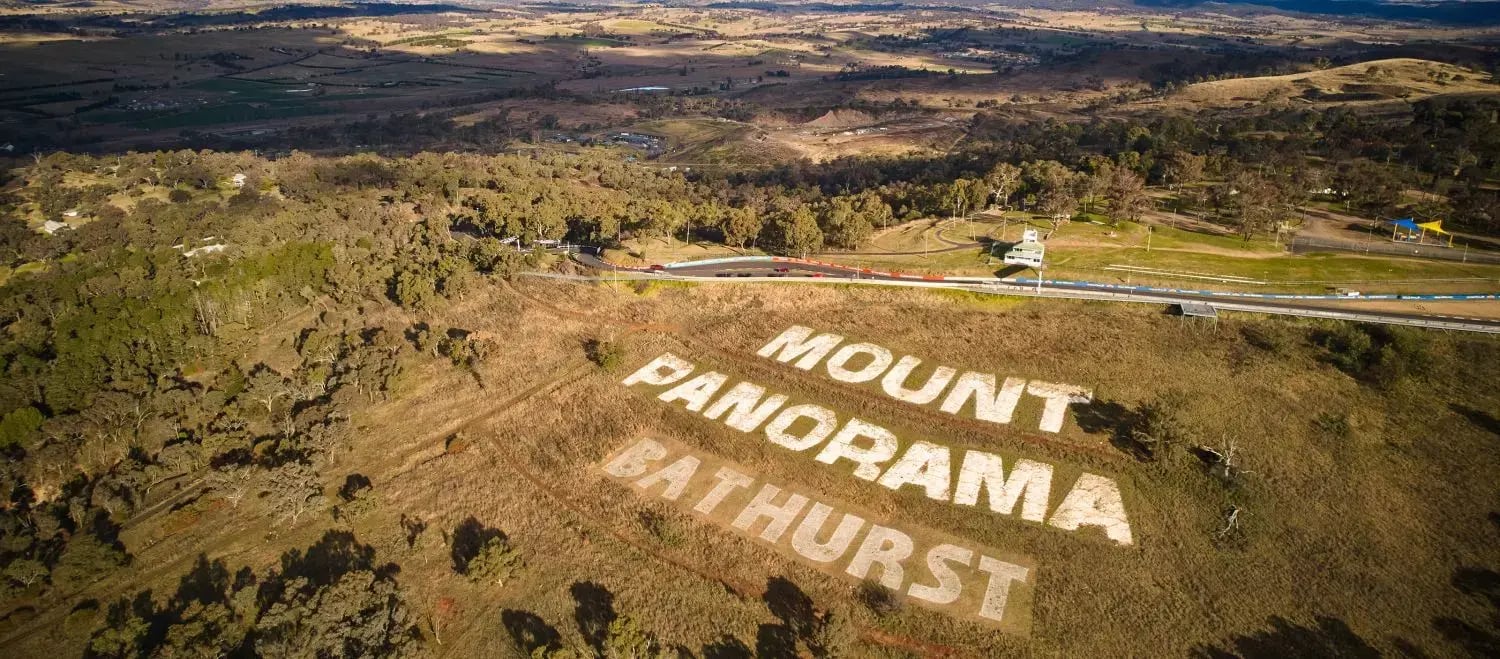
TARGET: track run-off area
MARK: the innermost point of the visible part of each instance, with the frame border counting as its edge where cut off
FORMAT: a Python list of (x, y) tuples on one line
[(775, 269)]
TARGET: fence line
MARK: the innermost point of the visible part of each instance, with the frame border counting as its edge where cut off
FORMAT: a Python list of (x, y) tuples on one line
[(1075, 294), (1303, 244)]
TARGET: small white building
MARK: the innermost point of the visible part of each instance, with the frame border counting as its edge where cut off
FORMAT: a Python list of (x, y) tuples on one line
[(1029, 252), (238, 181), (53, 226)]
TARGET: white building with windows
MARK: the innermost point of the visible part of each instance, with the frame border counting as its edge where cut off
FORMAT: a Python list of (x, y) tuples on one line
[(1029, 252)]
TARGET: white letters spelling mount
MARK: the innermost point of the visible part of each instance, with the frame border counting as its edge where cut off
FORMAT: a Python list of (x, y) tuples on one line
[(936, 571), (1093, 500), (801, 349)]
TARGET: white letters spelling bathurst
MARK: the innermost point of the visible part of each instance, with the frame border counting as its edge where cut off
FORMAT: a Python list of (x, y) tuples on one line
[(876, 453), (779, 516), (729, 481), (799, 347), (676, 477), (805, 538), (948, 587), (885, 546), (941, 574), (997, 596)]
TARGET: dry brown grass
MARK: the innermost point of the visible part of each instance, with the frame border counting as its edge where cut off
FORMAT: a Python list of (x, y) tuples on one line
[(1367, 528), (1394, 79)]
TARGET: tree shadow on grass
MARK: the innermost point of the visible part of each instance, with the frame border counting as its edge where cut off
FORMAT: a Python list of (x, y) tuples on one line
[(790, 605), (594, 611), (727, 647), (530, 632), (468, 539), (335, 555), (1098, 417), (1329, 637), (1478, 641), (352, 486), (1484, 420), (799, 626)]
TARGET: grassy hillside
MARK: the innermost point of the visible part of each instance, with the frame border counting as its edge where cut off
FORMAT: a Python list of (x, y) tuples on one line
[(1371, 82), (1365, 493)]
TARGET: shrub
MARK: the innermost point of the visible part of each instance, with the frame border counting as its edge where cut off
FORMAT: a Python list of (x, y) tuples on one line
[(496, 562), (608, 355), (1377, 354), (1333, 424), (1160, 423), (628, 640), (457, 443), (356, 498)]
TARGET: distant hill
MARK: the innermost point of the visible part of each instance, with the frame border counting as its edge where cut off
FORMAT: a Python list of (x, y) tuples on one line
[(1375, 82), (1470, 12)]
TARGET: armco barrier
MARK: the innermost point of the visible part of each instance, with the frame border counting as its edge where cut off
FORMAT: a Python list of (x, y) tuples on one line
[(1083, 285), (863, 271), (1012, 288), (1259, 296), (726, 259)]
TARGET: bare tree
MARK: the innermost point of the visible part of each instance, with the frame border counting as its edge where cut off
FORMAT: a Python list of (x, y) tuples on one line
[(233, 484), (1127, 195), (294, 490), (206, 312), (1002, 181), (1231, 522)]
